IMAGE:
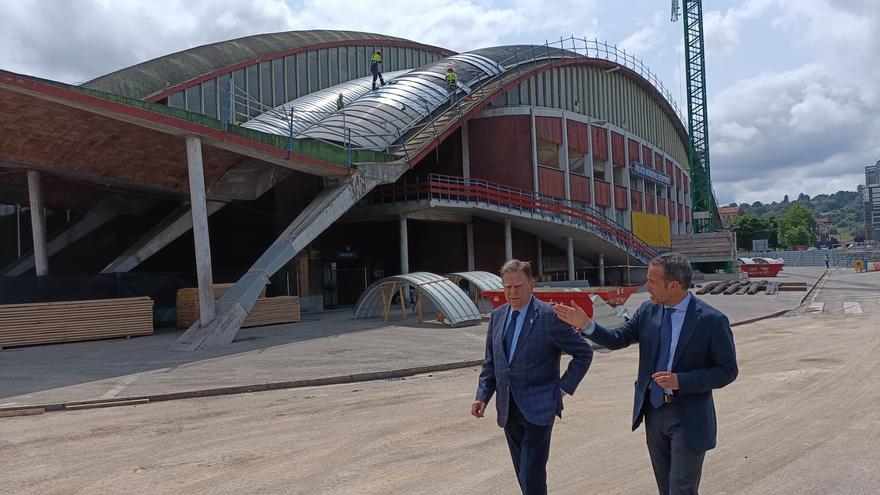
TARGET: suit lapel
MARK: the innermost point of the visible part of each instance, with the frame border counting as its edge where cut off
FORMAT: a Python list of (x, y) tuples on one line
[(688, 327), (656, 327), (528, 324), (498, 332)]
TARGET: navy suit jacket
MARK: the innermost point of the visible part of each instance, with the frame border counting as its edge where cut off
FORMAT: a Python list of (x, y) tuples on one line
[(705, 359), (532, 376)]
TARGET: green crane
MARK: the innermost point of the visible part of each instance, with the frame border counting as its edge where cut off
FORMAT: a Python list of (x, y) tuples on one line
[(703, 204)]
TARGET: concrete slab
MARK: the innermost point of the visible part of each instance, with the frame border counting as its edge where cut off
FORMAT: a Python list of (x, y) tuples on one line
[(322, 345)]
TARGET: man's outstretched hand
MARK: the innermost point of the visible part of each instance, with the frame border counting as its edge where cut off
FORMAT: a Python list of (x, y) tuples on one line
[(478, 408), (574, 315)]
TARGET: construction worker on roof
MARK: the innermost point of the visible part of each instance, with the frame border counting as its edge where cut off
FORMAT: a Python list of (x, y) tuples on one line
[(451, 83), (375, 69)]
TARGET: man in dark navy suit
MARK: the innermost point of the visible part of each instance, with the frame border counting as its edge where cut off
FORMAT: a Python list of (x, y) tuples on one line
[(685, 351), (524, 345)]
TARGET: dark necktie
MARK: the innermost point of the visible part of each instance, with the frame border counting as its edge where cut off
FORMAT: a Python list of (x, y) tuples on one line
[(662, 355), (508, 333)]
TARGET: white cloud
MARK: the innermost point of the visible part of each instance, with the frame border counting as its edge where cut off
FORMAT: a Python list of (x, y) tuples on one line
[(809, 129), (722, 30)]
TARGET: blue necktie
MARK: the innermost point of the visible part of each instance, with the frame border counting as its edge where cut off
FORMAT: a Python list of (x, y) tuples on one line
[(662, 355), (508, 333)]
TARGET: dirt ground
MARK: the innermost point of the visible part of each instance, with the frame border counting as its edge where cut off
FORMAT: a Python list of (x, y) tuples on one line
[(801, 418)]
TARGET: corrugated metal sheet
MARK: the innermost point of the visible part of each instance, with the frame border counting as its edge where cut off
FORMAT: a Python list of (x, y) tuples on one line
[(441, 294), (482, 280), (302, 113), (378, 119)]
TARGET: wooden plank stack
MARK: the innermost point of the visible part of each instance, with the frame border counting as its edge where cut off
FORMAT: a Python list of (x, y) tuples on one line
[(71, 321), (708, 247), (266, 311)]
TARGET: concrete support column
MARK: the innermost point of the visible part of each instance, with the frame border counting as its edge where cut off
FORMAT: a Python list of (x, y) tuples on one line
[(508, 240), (470, 248), (199, 210), (534, 138), (569, 248), (404, 246), (601, 269), (563, 157), (540, 267), (465, 152), (38, 223)]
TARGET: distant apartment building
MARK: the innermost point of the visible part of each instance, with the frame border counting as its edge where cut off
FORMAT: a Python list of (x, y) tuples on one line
[(728, 213), (872, 202)]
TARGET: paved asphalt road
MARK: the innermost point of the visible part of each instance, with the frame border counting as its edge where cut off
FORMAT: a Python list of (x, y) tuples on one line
[(801, 419)]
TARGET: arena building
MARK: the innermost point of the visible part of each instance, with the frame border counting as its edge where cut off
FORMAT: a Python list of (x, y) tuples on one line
[(570, 154)]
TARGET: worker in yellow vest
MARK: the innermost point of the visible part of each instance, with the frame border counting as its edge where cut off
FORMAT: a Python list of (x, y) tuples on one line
[(375, 68), (451, 83)]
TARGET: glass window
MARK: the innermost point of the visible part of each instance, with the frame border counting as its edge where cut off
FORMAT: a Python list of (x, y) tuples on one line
[(253, 90), (176, 100), (343, 64), (333, 62), (598, 170), (266, 83), (352, 63), (513, 95), (223, 83), (239, 95), (577, 161), (362, 61), (290, 77), (302, 74), (313, 71), (548, 153), (194, 98), (209, 88), (278, 81), (390, 60), (323, 69), (410, 60)]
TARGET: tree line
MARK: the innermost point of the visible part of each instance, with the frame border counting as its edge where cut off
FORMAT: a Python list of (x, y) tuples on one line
[(789, 224)]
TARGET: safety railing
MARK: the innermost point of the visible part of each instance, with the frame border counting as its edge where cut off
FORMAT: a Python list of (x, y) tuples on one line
[(240, 104), (485, 193)]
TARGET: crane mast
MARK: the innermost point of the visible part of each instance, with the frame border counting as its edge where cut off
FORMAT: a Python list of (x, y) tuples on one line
[(703, 204)]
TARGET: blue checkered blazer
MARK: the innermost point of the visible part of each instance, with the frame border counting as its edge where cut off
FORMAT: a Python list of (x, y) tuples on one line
[(532, 376)]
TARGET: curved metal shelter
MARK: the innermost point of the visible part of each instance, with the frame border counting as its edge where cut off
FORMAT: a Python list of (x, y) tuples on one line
[(298, 115), (380, 119), (482, 280), (440, 292)]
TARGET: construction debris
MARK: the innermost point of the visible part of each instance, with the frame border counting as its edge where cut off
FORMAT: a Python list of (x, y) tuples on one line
[(751, 287)]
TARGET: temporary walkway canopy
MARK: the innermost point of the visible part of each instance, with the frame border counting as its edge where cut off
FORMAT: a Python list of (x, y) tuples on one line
[(440, 292)]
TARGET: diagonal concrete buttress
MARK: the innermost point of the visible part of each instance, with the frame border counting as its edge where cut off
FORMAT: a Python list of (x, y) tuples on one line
[(107, 209), (170, 228), (322, 212)]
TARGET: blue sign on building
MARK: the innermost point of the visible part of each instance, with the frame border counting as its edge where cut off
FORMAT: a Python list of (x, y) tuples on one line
[(650, 174)]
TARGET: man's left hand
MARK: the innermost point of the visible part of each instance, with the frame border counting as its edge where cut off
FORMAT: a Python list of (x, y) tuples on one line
[(666, 379)]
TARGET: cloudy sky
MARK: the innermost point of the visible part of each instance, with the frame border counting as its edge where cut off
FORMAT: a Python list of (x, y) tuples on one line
[(794, 86)]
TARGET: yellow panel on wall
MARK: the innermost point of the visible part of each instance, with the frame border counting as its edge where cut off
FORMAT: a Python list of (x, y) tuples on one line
[(654, 230)]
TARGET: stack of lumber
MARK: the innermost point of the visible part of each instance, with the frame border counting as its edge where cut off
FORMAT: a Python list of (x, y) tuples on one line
[(266, 311), (70, 321), (708, 247)]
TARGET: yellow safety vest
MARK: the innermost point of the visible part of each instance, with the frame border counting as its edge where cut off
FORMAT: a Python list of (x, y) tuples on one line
[(377, 59), (451, 78)]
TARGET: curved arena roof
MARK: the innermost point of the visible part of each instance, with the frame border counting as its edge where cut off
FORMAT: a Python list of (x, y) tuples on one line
[(149, 78)]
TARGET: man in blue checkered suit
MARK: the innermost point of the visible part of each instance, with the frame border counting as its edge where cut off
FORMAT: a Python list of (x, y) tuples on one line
[(524, 346)]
